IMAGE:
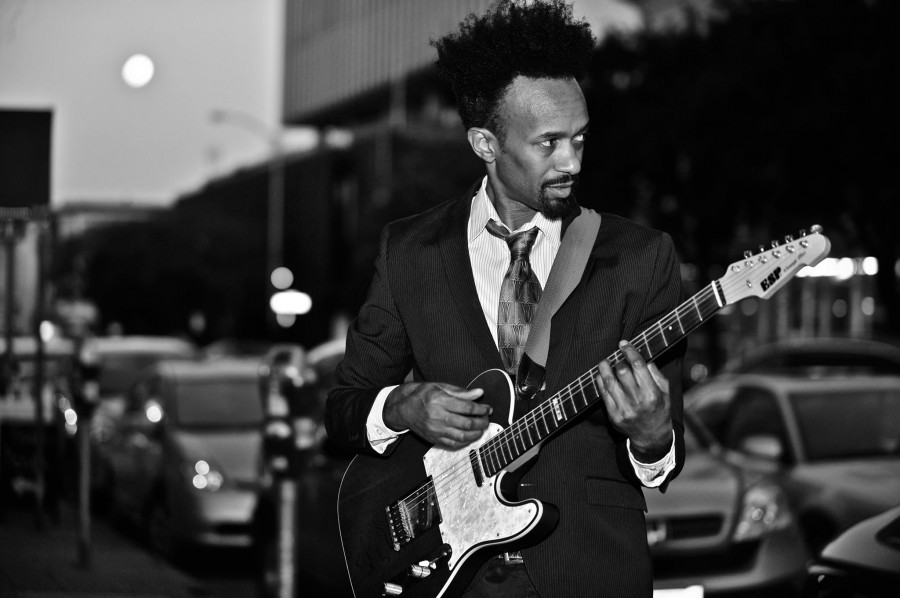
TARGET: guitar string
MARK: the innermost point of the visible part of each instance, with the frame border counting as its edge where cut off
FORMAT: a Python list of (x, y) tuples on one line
[(666, 323), (498, 443), (493, 447), (568, 393)]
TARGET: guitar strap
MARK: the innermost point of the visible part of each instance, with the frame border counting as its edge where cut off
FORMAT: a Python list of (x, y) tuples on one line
[(566, 272)]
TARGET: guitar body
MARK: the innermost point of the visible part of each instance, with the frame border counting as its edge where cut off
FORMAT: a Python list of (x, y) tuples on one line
[(449, 527)]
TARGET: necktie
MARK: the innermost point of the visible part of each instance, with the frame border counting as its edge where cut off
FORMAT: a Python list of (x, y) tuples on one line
[(519, 296)]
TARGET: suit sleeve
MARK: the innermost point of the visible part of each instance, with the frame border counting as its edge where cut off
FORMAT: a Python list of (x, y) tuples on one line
[(377, 355), (664, 295)]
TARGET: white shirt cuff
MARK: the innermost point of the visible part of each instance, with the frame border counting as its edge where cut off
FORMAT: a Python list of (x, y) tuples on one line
[(652, 475), (379, 435)]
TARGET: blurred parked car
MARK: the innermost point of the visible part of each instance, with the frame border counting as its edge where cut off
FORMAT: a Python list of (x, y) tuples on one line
[(818, 356), (184, 457), (832, 442), (18, 415), (863, 562), (236, 347), (121, 359), (723, 527)]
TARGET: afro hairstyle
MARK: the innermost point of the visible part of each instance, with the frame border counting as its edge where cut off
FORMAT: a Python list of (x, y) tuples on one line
[(537, 39)]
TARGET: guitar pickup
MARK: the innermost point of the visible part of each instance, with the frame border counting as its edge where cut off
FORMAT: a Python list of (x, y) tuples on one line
[(476, 468)]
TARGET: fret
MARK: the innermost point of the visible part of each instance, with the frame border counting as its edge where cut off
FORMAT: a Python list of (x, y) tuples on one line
[(717, 292), (511, 450), (518, 435), (506, 453), (542, 413), (510, 442), (677, 313), (697, 307), (615, 358), (567, 405), (489, 458), (594, 381), (584, 397), (528, 429), (557, 409), (548, 417)]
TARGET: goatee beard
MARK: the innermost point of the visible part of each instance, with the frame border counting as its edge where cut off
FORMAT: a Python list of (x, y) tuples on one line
[(558, 208)]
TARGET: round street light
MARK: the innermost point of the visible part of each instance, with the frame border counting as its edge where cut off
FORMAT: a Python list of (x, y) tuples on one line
[(138, 70)]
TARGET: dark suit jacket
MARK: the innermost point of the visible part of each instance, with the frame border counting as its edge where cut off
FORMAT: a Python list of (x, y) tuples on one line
[(423, 314)]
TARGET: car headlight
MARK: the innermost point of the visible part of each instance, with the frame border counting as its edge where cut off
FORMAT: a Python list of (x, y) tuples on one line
[(205, 477), (764, 509)]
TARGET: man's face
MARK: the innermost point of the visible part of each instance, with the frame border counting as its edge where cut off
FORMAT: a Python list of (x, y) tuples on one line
[(540, 158)]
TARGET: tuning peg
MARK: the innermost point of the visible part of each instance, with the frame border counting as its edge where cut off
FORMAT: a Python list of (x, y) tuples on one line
[(762, 248), (748, 254), (816, 228), (802, 232), (788, 238), (774, 243)]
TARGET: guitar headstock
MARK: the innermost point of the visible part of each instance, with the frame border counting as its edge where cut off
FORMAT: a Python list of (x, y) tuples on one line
[(763, 273)]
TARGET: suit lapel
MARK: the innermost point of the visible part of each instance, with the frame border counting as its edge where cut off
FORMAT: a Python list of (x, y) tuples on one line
[(564, 327), (458, 268)]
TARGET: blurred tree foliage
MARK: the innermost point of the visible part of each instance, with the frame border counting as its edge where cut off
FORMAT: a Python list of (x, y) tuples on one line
[(151, 277), (742, 129), (727, 134)]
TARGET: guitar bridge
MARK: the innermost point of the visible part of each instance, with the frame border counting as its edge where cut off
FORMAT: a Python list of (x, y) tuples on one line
[(413, 515)]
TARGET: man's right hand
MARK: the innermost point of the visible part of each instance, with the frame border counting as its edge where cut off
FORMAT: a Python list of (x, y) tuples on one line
[(442, 414)]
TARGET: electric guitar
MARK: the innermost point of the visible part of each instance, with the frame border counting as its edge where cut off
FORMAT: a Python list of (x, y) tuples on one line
[(422, 521)]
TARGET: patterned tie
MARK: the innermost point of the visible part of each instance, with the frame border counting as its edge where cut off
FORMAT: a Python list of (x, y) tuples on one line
[(519, 296)]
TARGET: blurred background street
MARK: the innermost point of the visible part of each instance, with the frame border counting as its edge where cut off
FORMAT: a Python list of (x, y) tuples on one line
[(191, 196)]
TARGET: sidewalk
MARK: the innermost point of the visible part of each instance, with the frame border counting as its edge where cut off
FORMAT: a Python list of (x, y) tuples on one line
[(44, 563)]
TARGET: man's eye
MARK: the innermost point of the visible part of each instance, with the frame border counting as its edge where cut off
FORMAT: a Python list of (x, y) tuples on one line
[(548, 143)]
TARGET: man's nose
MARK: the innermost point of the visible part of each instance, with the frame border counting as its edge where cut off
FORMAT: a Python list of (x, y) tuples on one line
[(568, 159)]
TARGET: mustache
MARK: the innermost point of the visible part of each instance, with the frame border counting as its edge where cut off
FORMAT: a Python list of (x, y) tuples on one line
[(561, 180)]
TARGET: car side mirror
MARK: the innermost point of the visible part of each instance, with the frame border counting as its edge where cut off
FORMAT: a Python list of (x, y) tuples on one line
[(765, 446)]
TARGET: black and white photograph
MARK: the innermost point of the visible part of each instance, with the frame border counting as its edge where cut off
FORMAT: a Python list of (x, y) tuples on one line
[(449, 299)]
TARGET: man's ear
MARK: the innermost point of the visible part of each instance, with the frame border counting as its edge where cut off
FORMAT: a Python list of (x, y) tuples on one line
[(483, 143)]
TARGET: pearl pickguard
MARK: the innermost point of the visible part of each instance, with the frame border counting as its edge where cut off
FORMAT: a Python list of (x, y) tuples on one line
[(474, 515)]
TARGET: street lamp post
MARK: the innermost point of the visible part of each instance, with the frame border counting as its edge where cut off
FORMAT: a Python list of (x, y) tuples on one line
[(275, 202)]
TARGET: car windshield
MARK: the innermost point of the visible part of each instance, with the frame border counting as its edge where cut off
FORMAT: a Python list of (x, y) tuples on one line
[(848, 424), (218, 404)]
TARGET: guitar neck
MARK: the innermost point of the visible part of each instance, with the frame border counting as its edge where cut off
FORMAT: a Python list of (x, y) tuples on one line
[(555, 412)]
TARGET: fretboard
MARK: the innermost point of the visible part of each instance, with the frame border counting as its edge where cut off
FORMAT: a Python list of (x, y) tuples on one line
[(555, 412)]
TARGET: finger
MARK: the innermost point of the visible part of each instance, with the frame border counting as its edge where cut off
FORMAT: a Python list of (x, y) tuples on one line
[(457, 439), (607, 385), (464, 423), (661, 381), (467, 394), (637, 364), (467, 407), (626, 379)]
